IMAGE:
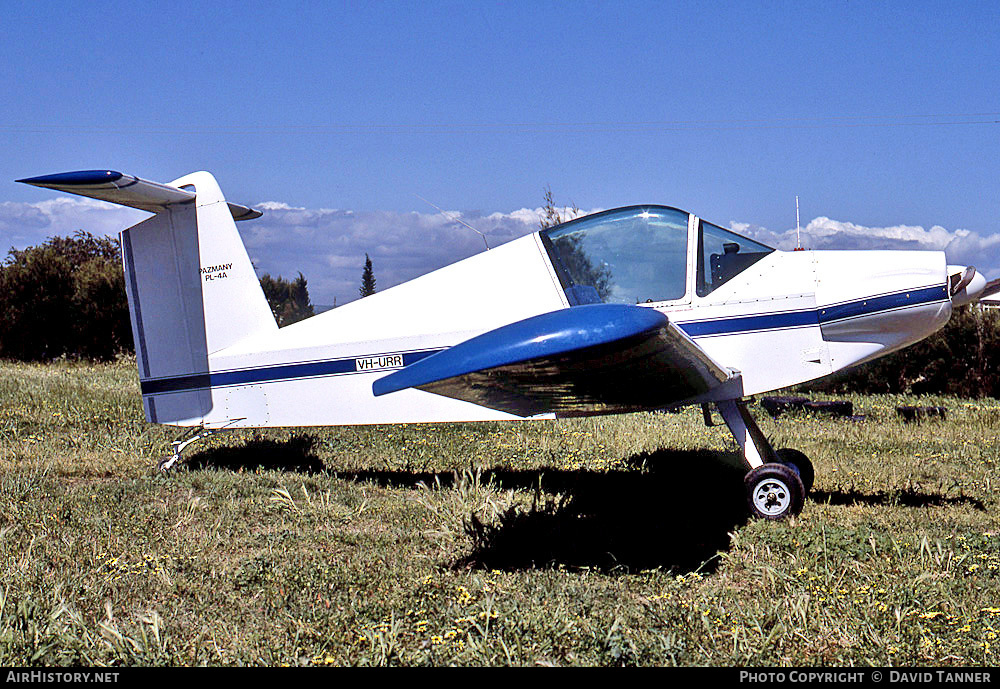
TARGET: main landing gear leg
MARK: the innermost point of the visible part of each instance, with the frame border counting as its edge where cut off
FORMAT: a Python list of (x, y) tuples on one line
[(191, 436), (775, 479), (756, 449)]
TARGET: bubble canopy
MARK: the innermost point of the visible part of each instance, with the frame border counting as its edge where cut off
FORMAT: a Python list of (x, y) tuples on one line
[(639, 254)]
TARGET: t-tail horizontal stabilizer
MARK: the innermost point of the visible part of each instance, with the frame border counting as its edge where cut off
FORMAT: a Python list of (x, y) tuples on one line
[(192, 290), (126, 190), (583, 359)]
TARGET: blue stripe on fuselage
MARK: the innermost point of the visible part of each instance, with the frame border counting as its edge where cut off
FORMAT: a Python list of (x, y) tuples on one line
[(806, 317), (742, 324), (695, 329), (885, 302), (267, 374)]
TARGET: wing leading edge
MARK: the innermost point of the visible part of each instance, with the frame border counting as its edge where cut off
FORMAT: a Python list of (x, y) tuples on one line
[(586, 359)]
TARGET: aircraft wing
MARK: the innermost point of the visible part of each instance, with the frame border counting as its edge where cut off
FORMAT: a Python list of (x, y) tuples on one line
[(583, 359)]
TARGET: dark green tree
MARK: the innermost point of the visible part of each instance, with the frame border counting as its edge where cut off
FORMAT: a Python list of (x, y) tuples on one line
[(367, 279), (65, 297), (288, 299)]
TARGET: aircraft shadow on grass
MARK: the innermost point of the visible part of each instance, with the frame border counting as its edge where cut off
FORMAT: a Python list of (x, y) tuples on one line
[(625, 520), (673, 510), (296, 454), (653, 516), (909, 497)]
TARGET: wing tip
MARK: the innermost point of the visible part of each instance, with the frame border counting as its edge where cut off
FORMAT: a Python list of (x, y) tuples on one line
[(241, 212), (384, 388), (73, 179)]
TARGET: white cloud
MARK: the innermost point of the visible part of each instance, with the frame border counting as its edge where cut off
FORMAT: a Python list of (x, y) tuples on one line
[(961, 246), (328, 246), (277, 206), (26, 224)]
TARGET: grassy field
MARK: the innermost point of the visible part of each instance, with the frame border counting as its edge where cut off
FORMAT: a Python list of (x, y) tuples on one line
[(608, 541)]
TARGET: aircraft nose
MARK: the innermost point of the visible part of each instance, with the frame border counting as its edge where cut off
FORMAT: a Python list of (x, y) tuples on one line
[(965, 284), (875, 302)]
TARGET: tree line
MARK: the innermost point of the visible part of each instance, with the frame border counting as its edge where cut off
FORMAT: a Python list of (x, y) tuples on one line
[(66, 298)]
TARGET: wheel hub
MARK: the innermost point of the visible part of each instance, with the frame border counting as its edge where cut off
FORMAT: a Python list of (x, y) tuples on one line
[(772, 496)]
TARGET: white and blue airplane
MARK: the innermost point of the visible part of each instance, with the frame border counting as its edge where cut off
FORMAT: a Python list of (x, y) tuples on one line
[(637, 308)]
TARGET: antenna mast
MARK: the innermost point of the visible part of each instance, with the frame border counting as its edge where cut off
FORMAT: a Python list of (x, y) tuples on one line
[(798, 238), (458, 220)]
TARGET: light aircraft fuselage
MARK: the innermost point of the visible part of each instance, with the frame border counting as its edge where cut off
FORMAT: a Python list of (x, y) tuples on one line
[(637, 308)]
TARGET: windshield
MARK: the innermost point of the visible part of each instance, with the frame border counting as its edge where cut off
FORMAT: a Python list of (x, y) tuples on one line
[(625, 256)]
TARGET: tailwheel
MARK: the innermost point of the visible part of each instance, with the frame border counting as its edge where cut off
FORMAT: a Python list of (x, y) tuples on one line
[(191, 436), (774, 491), (800, 464), (167, 463)]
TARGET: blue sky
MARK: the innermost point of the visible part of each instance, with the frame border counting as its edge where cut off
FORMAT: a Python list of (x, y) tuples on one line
[(880, 116)]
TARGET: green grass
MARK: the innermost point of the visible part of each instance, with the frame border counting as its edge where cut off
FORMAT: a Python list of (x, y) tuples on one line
[(604, 541)]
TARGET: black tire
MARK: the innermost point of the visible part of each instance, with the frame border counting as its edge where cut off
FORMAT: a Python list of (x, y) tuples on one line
[(800, 464), (774, 491)]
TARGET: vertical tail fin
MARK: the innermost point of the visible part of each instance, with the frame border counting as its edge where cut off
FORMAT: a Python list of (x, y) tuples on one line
[(192, 290)]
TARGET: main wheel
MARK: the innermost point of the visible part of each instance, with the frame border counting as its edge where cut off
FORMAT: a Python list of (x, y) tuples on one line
[(800, 464), (774, 491)]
